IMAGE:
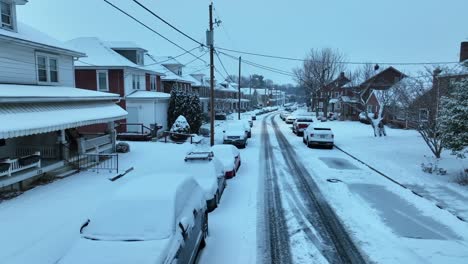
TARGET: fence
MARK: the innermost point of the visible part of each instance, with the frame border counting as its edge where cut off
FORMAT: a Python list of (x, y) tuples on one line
[(96, 162)]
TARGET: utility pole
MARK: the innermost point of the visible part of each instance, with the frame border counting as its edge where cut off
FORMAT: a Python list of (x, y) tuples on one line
[(239, 96), (210, 42)]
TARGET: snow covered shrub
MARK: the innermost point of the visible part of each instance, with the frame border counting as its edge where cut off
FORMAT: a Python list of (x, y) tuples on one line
[(432, 166), (453, 119), (462, 179), (180, 126)]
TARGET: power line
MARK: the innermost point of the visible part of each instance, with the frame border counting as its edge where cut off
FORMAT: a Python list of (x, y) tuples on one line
[(222, 64), (171, 58), (343, 62), (149, 28), (167, 23), (275, 70)]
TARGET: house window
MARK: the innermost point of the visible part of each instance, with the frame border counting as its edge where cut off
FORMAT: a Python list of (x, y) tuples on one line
[(370, 109), (135, 82), (423, 114), (42, 68), (140, 58), (337, 94), (102, 81), (47, 69), (6, 14), (153, 82)]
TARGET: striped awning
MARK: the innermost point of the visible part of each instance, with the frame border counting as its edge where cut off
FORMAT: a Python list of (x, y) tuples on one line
[(21, 119)]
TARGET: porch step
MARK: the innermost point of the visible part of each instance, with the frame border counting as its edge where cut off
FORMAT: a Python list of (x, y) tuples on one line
[(62, 172)]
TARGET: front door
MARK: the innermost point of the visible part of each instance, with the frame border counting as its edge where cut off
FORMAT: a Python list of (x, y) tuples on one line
[(132, 118)]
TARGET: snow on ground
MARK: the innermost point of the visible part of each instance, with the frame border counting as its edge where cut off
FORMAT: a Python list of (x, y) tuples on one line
[(399, 155), (390, 224)]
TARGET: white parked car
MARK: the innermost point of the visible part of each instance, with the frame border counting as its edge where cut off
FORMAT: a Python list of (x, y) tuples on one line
[(151, 219), (318, 136), (235, 133), (300, 124), (230, 157), (209, 173), (248, 127)]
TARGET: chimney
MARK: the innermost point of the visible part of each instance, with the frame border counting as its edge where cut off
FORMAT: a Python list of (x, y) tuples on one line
[(464, 51)]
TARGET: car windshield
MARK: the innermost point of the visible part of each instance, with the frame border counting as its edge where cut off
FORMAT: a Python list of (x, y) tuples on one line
[(131, 220)]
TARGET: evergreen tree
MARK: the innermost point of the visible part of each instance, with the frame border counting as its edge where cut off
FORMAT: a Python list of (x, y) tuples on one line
[(453, 119), (194, 113), (187, 105)]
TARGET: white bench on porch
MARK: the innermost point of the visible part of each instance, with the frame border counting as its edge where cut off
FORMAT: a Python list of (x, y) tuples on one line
[(16, 166)]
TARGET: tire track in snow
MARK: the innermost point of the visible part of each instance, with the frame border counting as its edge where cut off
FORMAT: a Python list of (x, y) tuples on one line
[(340, 240), (275, 236)]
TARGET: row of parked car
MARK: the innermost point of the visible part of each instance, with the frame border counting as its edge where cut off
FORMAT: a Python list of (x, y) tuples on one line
[(303, 125), (156, 219)]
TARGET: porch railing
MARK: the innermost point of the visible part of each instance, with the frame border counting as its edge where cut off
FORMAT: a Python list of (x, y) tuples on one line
[(10, 166), (94, 144), (47, 152), (96, 162)]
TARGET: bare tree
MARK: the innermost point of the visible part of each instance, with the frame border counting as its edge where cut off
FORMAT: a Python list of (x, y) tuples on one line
[(319, 68)]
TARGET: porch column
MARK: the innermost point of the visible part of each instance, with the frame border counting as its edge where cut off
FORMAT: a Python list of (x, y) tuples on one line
[(63, 145), (113, 134)]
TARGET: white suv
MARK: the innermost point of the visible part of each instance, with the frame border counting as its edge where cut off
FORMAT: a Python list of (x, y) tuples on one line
[(318, 136)]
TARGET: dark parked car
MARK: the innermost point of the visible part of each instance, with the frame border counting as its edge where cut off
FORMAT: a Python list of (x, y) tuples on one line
[(220, 116)]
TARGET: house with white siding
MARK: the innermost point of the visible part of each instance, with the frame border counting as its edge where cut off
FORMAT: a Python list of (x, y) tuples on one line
[(40, 108)]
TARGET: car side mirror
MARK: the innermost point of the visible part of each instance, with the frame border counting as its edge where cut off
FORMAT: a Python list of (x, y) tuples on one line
[(85, 224), (183, 225)]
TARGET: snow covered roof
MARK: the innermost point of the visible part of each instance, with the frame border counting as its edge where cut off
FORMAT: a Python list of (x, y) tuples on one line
[(19, 119), (124, 45), (348, 99), (167, 60), (195, 81), (99, 54), (170, 76), (247, 91), (35, 37), (37, 93), (148, 95), (152, 64)]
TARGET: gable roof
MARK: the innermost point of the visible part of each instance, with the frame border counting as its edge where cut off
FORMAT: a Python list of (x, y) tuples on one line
[(384, 79), (99, 54), (34, 37)]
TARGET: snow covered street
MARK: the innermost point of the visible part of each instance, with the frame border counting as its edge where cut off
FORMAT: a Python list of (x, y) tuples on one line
[(287, 204)]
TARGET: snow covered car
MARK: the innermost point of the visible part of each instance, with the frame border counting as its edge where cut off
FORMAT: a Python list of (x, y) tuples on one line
[(284, 114), (290, 118), (230, 158), (235, 133), (149, 220), (300, 124), (318, 136), (208, 171), (247, 126)]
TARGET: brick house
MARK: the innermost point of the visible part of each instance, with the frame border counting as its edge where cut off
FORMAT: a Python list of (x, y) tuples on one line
[(124, 68), (424, 108)]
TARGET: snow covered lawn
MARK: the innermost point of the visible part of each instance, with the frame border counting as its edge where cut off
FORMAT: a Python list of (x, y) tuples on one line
[(399, 155)]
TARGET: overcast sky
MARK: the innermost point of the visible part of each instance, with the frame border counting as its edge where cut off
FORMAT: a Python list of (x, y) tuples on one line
[(364, 30)]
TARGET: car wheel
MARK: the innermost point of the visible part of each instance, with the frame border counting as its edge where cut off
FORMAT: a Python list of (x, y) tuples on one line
[(309, 145)]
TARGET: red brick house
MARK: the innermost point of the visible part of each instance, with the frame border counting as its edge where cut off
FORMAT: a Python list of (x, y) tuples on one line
[(126, 69)]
